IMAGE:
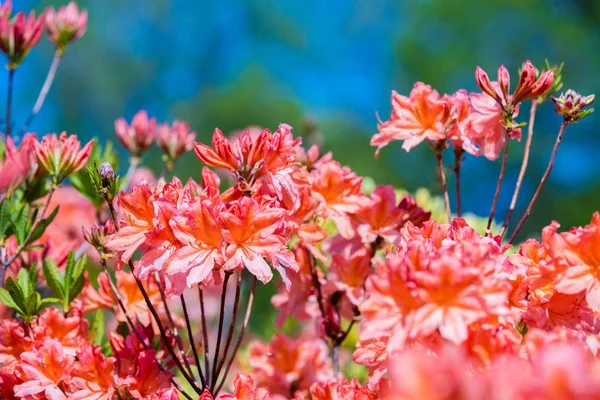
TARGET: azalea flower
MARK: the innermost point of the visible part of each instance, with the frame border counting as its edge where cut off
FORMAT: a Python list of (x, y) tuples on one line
[(66, 25), (18, 164), (138, 137), (60, 156), (175, 140)]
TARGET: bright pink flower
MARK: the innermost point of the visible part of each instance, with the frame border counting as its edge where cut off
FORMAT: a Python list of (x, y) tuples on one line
[(251, 231), (175, 140), (19, 35), (148, 379), (137, 219), (420, 117), (200, 232), (13, 341), (66, 25), (487, 124), (61, 156), (17, 165), (93, 374), (138, 137), (44, 369), (459, 128), (286, 365), (244, 389), (348, 272)]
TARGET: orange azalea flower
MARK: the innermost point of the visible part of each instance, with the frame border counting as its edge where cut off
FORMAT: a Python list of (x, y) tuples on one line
[(44, 370), (577, 255), (244, 389), (13, 341), (93, 374), (250, 230), (68, 330), (341, 389), (222, 155), (148, 379), (285, 365), (137, 215), (420, 117), (199, 230)]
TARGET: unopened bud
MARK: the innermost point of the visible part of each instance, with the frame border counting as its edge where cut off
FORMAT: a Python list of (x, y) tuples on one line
[(107, 174), (571, 105)]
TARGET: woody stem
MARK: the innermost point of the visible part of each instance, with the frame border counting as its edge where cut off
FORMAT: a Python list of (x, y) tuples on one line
[(440, 163), (204, 335), (192, 342), (236, 304), (500, 179), (220, 328), (458, 152), (513, 202), (536, 195)]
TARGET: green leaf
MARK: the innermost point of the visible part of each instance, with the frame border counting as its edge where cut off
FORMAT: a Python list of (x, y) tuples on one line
[(41, 226), (54, 278), (23, 281), (20, 222), (38, 189), (69, 269), (32, 277), (15, 293), (32, 304), (4, 216), (6, 299), (48, 300), (97, 329), (76, 288)]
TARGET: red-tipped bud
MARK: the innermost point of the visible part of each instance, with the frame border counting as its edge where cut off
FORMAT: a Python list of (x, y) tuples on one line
[(107, 174), (484, 83), (529, 87), (571, 105), (19, 36), (66, 25), (175, 140), (61, 156), (504, 81), (96, 233), (222, 155), (138, 137)]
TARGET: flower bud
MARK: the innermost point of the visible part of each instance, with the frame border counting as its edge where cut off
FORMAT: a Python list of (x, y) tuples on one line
[(96, 233), (504, 81), (571, 105), (175, 140), (484, 83), (107, 174), (19, 36), (60, 156), (66, 25), (529, 87), (138, 137)]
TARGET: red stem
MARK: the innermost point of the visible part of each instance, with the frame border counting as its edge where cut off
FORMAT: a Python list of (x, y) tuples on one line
[(500, 179)]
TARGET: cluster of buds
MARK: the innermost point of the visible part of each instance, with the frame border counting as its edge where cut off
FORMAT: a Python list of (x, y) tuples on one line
[(60, 156), (95, 237), (65, 25), (19, 35), (531, 85), (138, 137), (174, 140), (571, 105), (104, 180)]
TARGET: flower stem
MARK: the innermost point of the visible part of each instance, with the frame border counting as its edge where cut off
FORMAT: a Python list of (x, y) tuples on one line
[(500, 179), (458, 152), (240, 337), (44, 91), (513, 202), (220, 328), (440, 163), (9, 94), (204, 334), (191, 339), (536, 195), (236, 304)]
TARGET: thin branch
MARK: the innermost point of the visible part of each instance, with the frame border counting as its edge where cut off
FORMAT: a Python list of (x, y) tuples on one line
[(500, 179), (236, 304), (513, 202), (559, 137), (240, 337), (172, 327), (132, 328), (163, 333), (44, 91), (192, 342), (458, 152), (9, 95), (440, 163), (220, 328), (204, 335)]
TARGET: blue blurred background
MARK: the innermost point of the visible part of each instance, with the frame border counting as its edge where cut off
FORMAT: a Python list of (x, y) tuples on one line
[(234, 63)]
